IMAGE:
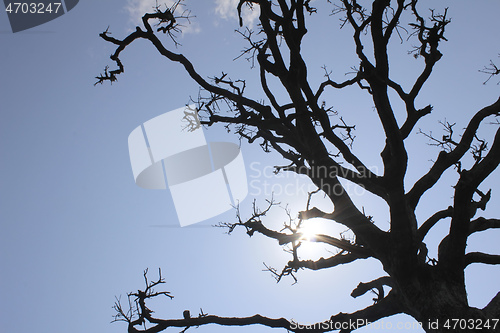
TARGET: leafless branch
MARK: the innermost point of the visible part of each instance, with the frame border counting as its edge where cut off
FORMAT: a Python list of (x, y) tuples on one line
[(447, 159), (491, 70), (377, 284)]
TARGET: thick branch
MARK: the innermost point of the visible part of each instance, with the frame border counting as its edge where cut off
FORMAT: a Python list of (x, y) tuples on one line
[(163, 324), (322, 263), (465, 207), (481, 224), (482, 258), (348, 322), (378, 284), (478, 173), (254, 226), (431, 222)]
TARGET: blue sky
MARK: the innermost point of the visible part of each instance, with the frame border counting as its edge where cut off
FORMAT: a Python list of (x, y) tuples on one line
[(77, 231)]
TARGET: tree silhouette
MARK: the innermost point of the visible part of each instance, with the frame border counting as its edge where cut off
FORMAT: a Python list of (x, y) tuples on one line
[(317, 143)]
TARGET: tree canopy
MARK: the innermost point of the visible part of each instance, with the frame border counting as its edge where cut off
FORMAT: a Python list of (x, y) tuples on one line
[(302, 126)]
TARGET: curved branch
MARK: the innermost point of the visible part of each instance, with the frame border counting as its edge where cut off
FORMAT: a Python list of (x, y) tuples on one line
[(346, 213), (481, 224), (346, 322), (386, 307), (379, 284), (481, 258), (413, 117), (358, 29), (447, 159), (465, 207), (429, 39), (478, 173), (254, 225), (262, 110), (431, 222), (336, 85), (322, 263)]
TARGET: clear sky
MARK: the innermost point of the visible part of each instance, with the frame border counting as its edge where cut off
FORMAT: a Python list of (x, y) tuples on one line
[(76, 231)]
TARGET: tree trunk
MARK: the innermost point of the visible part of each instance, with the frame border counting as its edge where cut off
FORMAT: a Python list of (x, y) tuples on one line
[(438, 301)]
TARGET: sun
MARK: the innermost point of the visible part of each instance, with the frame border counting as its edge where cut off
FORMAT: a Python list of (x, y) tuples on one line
[(309, 247), (309, 232)]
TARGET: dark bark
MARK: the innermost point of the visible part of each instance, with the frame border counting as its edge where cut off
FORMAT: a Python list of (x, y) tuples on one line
[(305, 132)]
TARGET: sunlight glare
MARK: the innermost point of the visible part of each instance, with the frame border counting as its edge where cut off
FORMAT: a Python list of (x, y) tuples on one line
[(309, 248), (309, 231)]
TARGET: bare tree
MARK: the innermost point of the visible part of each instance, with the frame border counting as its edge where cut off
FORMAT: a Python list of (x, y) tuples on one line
[(318, 144)]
